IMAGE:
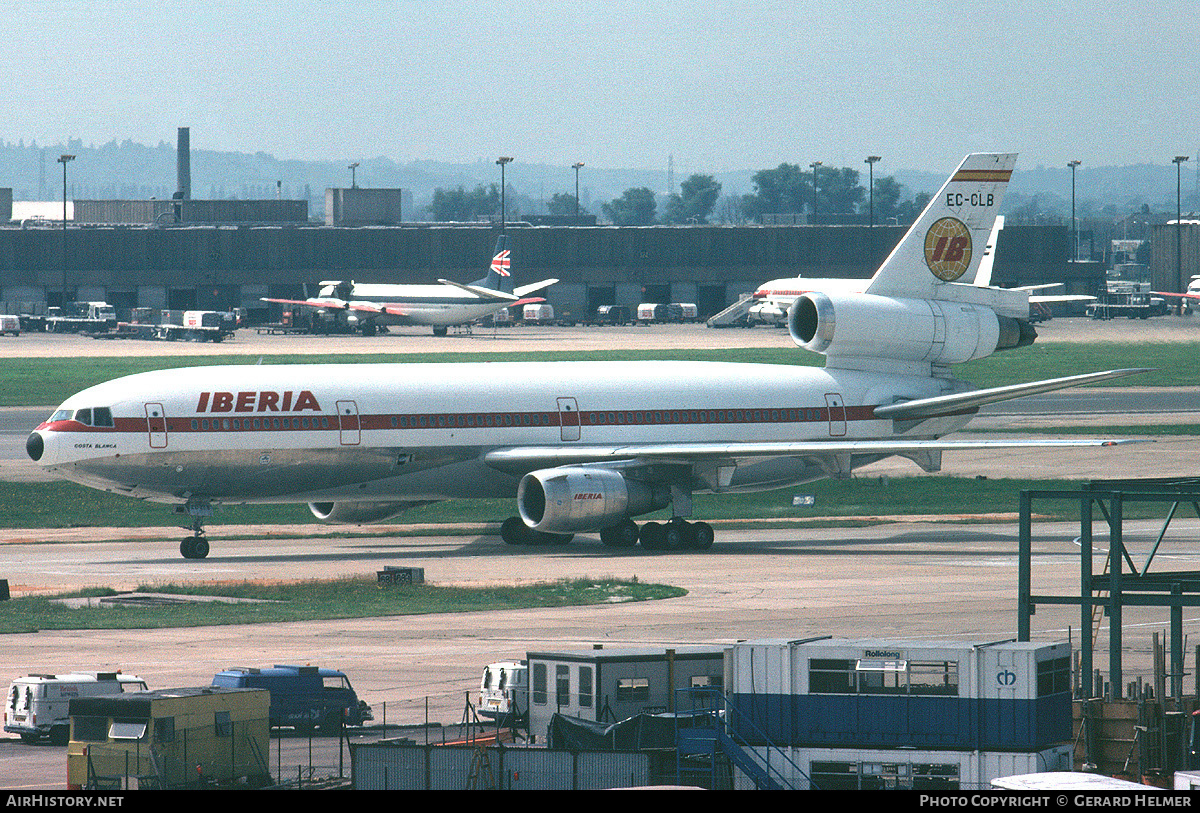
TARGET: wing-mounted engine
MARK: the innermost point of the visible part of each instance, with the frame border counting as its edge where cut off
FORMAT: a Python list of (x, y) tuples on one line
[(360, 513), (865, 330), (572, 499)]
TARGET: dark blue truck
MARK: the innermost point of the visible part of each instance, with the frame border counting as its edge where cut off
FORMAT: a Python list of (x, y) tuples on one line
[(305, 697)]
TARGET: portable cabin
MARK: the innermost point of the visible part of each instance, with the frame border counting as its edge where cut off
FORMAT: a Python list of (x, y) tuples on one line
[(171, 738)]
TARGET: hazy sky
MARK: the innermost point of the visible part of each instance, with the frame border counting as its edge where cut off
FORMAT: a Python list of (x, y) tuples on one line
[(739, 84)]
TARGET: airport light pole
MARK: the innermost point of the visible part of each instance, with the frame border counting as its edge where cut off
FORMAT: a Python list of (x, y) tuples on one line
[(1074, 227), (64, 160), (502, 161), (870, 162), (813, 166), (353, 179), (1178, 161), (576, 167)]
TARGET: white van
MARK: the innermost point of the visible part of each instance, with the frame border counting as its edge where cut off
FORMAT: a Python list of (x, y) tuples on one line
[(504, 689), (37, 706), (10, 324)]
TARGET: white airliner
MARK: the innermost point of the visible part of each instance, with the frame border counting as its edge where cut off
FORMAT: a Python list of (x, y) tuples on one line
[(447, 303), (584, 446), (773, 298)]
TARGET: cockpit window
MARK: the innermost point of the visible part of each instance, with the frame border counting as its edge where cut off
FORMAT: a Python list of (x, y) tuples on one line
[(89, 416), (61, 415)]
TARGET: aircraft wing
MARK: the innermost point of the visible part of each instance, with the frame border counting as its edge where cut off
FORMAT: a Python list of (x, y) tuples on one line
[(1181, 296), (533, 286), (481, 292), (523, 459), (330, 304), (923, 408)]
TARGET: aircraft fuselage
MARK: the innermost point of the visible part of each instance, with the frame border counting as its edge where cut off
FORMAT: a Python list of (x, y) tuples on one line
[(422, 431)]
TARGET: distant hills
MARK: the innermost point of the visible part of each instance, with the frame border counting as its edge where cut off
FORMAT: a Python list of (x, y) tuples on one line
[(136, 171)]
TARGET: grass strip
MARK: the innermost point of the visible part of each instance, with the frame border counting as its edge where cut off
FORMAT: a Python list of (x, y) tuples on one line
[(348, 597)]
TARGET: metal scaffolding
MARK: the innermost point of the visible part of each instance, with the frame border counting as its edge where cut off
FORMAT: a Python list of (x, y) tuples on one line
[(1122, 582)]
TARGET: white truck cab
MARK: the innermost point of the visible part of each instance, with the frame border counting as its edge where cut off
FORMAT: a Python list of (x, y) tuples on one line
[(504, 689), (36, 706)]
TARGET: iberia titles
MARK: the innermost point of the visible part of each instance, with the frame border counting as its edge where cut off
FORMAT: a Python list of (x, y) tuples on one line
[(263, 401)]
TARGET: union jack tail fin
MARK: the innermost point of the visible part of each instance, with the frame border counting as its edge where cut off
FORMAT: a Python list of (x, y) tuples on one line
[(499, 276)]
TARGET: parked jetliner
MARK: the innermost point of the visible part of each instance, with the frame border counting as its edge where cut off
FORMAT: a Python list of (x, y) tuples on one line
[(441, 305), (773, 298), (584, 446), (1192, 292)]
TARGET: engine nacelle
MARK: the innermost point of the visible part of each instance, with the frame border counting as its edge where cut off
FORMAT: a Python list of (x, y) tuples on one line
[(573, 499), (359, 513), (923, 330)]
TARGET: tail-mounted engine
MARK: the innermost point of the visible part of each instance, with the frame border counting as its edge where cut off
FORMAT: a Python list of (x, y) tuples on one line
[(866, 326), (574, 499)]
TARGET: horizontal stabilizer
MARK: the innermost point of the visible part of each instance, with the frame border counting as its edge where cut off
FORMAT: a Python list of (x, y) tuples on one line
[(481, 292), (533, 286), (923, 408)]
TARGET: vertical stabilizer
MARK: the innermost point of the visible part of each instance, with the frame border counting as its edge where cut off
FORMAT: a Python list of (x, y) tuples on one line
[(948, 241), (984, 275), (499, 276)]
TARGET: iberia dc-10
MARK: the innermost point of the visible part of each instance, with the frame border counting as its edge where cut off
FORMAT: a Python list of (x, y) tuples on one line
[(583, 446)]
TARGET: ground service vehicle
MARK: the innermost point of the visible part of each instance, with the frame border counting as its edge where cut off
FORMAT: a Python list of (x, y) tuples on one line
[(10, 324), (504, 691), (81, 317), (306, 697), (37, 705)]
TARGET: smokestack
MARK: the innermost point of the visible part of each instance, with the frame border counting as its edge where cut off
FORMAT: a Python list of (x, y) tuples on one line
[(183, 164)]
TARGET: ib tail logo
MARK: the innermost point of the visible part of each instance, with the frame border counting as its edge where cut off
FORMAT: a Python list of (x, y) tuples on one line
[(1006, 677), (948, 249)]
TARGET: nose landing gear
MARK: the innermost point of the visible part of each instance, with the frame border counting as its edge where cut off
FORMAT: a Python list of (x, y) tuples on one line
[(196, 545)]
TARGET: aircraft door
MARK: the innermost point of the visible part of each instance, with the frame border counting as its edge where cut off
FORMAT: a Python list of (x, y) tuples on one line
[(837, 414), (156, 425), (568, 418), (348, 424)]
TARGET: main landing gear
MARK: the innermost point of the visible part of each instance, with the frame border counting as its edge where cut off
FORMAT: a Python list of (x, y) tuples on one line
[(196, 545), (677, 534)]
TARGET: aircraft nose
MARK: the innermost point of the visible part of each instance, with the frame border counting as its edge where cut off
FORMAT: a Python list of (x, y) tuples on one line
[(35, 446)]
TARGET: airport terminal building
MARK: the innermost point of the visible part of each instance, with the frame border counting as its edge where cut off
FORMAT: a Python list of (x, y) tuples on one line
[(219, 266)]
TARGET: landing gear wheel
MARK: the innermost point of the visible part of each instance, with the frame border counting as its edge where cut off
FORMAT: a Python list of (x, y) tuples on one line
[(194, 547), (622, 535), (653, 536), (678, 534), (439, 330), (515, 532), (702, 536)]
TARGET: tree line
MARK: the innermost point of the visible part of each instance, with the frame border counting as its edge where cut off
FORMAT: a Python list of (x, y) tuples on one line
[(786, 189)]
